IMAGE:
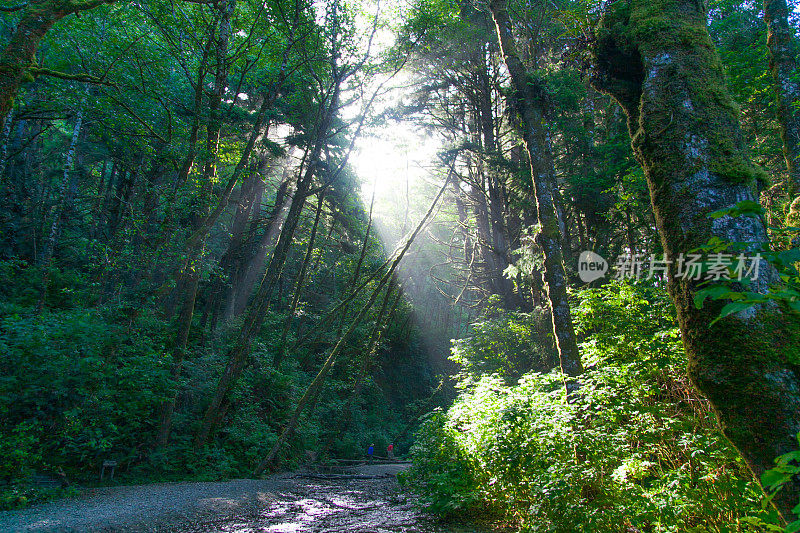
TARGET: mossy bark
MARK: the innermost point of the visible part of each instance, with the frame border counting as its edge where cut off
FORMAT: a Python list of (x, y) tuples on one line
[(528, 101), (16, 58), (783, 64), (656, 59)]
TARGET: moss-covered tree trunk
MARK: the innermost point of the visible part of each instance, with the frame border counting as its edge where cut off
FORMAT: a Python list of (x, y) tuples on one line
[(657, 60), (4, 140), (38, 16), (378, 330), (529, 104)]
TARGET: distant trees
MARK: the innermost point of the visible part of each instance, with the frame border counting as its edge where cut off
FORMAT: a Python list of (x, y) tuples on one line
[(598, 194), (783, 63), (460, 97), (167, 162)]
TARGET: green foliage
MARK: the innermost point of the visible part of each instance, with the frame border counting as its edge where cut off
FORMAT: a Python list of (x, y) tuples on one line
[(739, 33), (77, 388), (786, 468), (443, 472), (784, 291), (84, 384), (637, 449), (507, 344)]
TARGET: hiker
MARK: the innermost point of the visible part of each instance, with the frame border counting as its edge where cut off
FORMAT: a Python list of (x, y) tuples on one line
[(370, 451), (390, 451)]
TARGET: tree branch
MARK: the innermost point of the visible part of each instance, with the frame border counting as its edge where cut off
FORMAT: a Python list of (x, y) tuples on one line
[(88, 78)]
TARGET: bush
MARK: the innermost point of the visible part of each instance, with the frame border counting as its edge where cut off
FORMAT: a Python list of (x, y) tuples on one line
[(637, 451), (77, 388), (442, 473)]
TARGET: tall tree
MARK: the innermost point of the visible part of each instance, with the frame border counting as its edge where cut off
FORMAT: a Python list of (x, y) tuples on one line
[(657, 60), (783, 64), (528, 101)]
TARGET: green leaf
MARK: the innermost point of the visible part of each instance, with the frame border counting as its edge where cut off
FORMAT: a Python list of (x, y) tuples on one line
[(773, 477), (745, 207), (733, 307), (715, 293)]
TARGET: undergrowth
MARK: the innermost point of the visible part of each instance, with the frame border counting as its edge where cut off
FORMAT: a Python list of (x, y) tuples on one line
[(637, 451)]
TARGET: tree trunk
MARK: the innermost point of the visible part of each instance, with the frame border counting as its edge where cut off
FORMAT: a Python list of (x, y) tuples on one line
[(255, 256), (225, 10), (64, 201), (122, 192), (685, 133), (231, 261), (4, 140), (783, 64), (381, 325), (191, 280), (500, 246), (483, 236), (528, 102), (237, 355), (298, 286)]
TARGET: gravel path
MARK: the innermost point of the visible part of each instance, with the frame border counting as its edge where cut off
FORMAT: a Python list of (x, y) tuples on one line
[(145, 507), (282, 504)]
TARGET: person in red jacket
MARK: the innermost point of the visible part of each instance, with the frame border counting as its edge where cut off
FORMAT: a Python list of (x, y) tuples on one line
[(390, 451)]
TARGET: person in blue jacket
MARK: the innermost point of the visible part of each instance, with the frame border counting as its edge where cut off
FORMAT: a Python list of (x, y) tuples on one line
[(370, 451)]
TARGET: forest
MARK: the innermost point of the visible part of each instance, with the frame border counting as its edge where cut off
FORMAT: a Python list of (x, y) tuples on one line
[(547, 250)]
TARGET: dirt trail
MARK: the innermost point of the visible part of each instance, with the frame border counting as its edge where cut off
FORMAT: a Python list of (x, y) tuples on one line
[(370, 501)]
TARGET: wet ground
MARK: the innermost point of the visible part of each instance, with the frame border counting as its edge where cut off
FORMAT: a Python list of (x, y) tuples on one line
[(374, 506), (368, 500)]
